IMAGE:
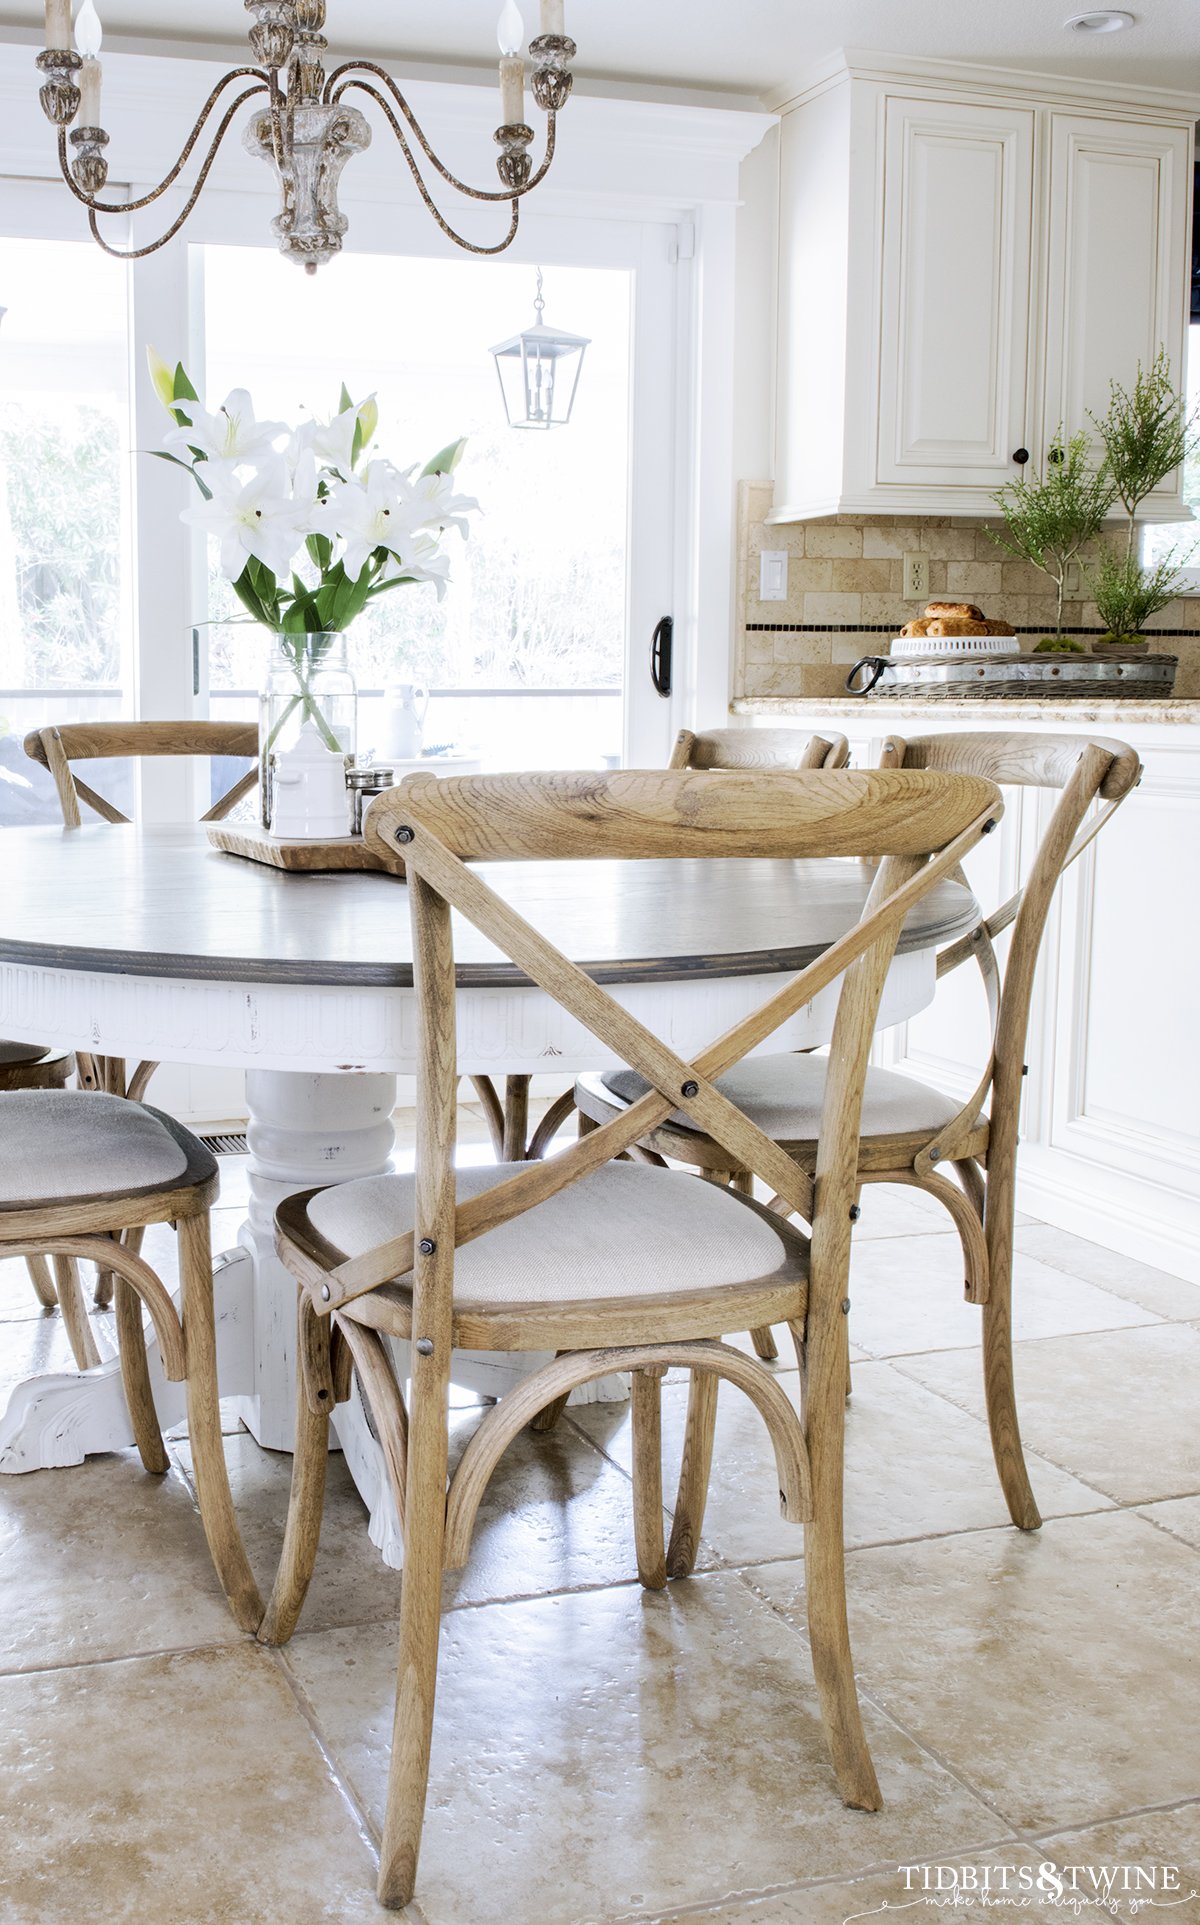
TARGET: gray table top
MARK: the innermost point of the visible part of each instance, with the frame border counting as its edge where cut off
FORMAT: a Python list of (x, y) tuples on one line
[(162, 902)]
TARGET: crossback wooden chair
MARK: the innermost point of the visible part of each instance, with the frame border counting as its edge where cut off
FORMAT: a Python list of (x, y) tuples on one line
[(58, 748), (911, 1133), (25, 1066), (613, 1265), (758, 749), (77, 1169), (507, 1114)]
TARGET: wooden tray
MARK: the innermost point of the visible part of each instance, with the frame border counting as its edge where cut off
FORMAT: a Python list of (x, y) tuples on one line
[(299, 858)]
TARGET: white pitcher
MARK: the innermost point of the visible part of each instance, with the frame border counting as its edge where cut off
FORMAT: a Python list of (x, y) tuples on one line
[(404, 709), (309, 802)]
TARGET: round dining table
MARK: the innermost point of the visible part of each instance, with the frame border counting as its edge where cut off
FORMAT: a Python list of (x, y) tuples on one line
[(150, 943)]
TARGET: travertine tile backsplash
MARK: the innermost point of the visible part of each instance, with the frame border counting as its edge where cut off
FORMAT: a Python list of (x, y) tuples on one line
[(848, 573)]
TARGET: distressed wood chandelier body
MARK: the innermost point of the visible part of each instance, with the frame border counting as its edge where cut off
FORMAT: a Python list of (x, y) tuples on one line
[(307, 129)]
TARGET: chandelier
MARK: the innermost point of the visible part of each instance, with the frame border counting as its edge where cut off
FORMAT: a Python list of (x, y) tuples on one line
[(307, 130)]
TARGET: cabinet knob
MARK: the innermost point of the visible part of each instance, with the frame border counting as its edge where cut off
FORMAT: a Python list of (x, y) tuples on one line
[(1021, 455)]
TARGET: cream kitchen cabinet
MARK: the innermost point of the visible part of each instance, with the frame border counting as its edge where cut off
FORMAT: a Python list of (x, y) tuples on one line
[(965, 261), (1118, 255)]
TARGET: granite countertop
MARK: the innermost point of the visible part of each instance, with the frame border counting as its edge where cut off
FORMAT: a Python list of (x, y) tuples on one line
[(995, 711)]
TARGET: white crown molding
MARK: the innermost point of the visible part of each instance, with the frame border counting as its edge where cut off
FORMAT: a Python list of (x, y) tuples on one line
[(855, 63)]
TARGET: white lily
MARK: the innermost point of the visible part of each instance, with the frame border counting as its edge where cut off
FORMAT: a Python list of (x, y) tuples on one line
[(421, 560), (256, 516), (376, 511), (440, 507), (331, 443), (231, 436)]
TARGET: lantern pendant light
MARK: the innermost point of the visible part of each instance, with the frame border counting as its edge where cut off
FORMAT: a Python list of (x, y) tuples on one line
[(539, 372)]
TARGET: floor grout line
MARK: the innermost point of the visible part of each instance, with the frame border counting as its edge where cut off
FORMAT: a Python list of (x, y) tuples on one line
[(342, 1781), (706, 1908)]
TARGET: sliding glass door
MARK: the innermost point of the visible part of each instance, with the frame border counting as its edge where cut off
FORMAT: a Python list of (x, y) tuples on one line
[(538, 656)]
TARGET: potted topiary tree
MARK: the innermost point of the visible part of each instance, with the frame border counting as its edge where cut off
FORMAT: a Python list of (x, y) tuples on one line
[(1052, 518), (1147, 434)]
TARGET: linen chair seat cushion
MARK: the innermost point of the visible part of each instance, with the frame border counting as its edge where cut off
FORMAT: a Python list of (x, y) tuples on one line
[(56, 1145), (624, 1231), (784, 1094)]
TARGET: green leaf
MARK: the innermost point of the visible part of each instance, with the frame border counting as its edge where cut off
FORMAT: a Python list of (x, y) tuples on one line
[(184, 391), (345, 404), (320, 549), (445, 462), (161, 454)]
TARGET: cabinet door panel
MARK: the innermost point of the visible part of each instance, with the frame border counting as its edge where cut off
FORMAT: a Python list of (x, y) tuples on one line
[(957, 231), (1117, 258)]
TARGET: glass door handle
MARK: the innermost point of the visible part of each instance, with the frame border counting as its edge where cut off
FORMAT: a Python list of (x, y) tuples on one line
[(662, 644)]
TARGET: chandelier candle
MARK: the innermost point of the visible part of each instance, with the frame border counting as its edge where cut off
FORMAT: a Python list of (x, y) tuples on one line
[(306, 128), (58, 25), (89, 94)]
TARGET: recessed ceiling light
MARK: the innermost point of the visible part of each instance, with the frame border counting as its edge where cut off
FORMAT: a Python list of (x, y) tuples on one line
[(1106, 21)]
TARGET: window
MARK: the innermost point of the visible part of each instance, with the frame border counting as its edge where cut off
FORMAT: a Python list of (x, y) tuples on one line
[(65, 570), (1183, 538), (526, 652)]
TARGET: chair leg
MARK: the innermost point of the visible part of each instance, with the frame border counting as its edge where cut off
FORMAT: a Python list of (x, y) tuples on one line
[(105, 1279), (306, 1504), (420, 1628), (75, 1318), (1000, 1387), (135, 1376), (694, 1472), (824, 1378), (763, 1340), (646, 1408), (42, 1281), (204, 1425)]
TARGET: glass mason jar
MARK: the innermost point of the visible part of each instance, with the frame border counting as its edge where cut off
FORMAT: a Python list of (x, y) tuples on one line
[(308, 679)]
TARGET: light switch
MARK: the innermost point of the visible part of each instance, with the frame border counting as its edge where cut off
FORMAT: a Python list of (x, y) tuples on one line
[(772, 575)]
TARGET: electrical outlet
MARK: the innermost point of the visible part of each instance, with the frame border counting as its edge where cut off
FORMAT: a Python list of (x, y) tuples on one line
[(916, 576), (773, 575)]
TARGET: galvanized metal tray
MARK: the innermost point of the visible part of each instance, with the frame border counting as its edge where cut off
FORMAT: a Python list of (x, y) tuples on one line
[(1030, 676)]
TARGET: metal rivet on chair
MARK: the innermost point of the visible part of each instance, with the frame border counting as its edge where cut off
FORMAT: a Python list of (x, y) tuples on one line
[(425, 1346), (935, 1156), (404, 835), (427, 1246), (845, 1306), (690, 1089), (855, 1212), (326, 1293), (987, 828)]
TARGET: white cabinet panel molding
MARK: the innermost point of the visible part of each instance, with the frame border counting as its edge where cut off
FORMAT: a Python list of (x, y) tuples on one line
[(1118, 252), (957, 239)]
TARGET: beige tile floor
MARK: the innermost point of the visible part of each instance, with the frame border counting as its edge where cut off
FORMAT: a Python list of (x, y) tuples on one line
[(603, 1754)]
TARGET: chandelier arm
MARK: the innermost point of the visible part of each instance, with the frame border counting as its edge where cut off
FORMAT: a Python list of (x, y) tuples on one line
[(140, 253), (132, 207), (471, 247), (474, 193)]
